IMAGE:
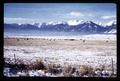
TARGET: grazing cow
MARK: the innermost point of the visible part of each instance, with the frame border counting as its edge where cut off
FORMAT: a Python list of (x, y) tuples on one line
[(83, 40), (17, 39), (72, 39), (106, 40)]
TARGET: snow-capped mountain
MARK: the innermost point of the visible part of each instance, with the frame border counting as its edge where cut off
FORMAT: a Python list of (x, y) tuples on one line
[(89, 27), (111, 28), (83, 27), (110, 23)]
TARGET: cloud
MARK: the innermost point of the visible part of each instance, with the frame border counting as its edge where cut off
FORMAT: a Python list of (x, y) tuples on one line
[(18, 20), (76, 14), (74, 22), (90, 15), (108, 17)]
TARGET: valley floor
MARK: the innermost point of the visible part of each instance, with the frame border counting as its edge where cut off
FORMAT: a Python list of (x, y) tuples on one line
[(77, 57)]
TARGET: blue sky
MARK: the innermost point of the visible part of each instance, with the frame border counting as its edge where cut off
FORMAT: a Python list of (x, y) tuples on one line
[(47, 12)]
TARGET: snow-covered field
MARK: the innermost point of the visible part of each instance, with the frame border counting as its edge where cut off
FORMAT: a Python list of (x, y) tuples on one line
[(87, 37), (78, 57), (74, 53)]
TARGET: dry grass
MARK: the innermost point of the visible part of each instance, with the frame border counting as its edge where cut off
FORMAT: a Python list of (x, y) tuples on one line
[(86, 70), (68, 71), (54, 68), (40, 41), (38, 65)]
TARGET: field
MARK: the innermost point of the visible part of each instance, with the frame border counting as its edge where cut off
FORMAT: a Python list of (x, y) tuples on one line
[(60, 56)]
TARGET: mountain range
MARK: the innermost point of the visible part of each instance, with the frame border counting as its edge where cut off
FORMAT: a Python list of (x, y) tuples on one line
[(81, 27)]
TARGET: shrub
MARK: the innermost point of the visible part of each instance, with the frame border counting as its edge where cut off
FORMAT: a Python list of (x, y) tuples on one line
[(68, 71), (83, 70), (86, 70), (38, 65), (101, 68), (54, 68), (19, 64)]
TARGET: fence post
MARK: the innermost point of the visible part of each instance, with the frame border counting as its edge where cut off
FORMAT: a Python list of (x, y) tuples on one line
[(112, 66), (15, 58)]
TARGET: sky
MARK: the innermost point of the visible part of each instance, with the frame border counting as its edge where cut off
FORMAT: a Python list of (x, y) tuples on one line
[(55, 12)]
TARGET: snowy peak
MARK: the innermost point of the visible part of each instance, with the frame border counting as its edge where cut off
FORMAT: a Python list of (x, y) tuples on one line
[(55, 23), (111, 23), (77, 22), (37, 24), (74, 22)]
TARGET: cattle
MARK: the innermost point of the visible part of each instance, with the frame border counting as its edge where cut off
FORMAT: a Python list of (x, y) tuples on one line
[(106, 40), (83, 40)]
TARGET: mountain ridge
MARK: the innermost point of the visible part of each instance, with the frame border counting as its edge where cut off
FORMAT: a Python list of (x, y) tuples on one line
[(81, 27)]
